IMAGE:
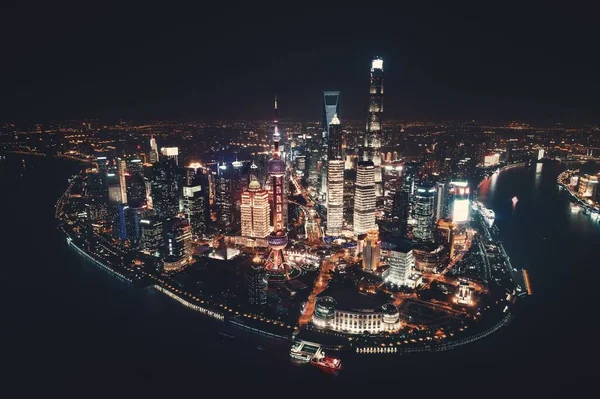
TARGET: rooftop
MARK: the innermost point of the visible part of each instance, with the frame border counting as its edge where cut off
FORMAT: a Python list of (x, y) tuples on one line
[(348, 298)]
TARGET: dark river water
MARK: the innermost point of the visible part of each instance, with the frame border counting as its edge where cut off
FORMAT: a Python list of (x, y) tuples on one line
[(70, 327)]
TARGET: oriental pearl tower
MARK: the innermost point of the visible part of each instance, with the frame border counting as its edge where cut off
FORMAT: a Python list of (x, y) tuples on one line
[(276, 263)]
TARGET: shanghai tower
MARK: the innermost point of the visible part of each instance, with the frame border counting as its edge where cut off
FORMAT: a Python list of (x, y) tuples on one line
[(373, 138)]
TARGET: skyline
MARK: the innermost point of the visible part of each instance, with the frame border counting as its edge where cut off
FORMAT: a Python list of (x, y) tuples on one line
[(159, 64)]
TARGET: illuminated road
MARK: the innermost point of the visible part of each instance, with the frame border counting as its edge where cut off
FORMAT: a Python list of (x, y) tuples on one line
[(320, 285), (312, 227)]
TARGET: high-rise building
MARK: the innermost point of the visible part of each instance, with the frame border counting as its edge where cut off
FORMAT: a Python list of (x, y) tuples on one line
[(458, 201), (165, 188), (153, 150), (335, 196), (331, 107), (122, 215), (334, 148), (135, 166), (364, 198), (255, 211), (424, 211), (195, 205), (587, 186), (102, 168), (399, 255), (373, 136), (440, 200), (151, 240), (371, 251), (136, 190), (171, 152), (179, 241), (445, 232), (335, 179), (224, 194), (278, 239), (402, 208), (114, 188), (256, 282), (122, 169)]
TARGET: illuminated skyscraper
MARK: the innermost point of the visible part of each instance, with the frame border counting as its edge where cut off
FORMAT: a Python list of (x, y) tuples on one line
[(399, 254), (195, 204), (334, 147), (458, 201), (224, 194), (256, 282), (364, 199), (331, 107), (371, 251), (171, 152), (373, 137), (335, 196), (153, 150), (122, 168), (165, 188), (178, 243), (255, 211), (424, 211), (440, 200), (114, 188), (278, 239), (152, 239), (335, 179)]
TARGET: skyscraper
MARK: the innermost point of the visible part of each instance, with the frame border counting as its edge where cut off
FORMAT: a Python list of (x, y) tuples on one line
[(400, 258), (102, 169), (165, 188), (136, 190), (364, 199), (440, 200), (195, 205), (373, 137), (256, 282), (114, 188), (424, 211), (171, 152), (335, 179), (151, 240), (335, 196), (255, 211), (179, 241), (278, 239), (153, 150), (331, 107), (122, 168), (224, 193), (371, 251), (458, 202), (334, 147)]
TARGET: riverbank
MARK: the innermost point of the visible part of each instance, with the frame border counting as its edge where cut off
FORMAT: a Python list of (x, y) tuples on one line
[(560, 180)]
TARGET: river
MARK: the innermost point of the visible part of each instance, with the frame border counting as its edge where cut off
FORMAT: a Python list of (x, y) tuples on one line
[(72, 324)]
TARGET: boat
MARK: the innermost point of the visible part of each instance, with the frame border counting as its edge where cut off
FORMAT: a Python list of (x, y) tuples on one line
[(327, 363), (297, 352)]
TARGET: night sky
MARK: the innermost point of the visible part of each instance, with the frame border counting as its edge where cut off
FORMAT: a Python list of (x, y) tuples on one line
[(62, 62)]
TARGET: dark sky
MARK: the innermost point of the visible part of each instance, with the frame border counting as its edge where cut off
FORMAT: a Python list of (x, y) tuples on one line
[(146, 61)]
